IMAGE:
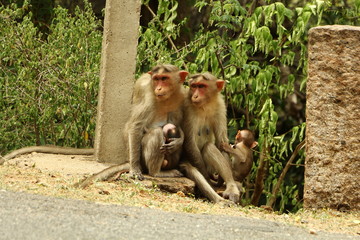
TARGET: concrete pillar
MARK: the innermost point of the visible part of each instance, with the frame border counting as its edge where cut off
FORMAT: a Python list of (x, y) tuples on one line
[(332, 167), (117, 73)]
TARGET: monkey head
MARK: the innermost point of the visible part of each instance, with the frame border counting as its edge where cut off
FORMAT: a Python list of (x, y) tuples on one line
[(203, 88), (247, 137), (170, 131), (166, 80)]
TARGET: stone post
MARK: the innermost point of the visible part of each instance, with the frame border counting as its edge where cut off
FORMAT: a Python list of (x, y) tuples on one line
[(332, 166), (117, 73)]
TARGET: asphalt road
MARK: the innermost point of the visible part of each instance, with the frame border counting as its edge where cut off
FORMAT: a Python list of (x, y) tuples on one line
[(28, 216)]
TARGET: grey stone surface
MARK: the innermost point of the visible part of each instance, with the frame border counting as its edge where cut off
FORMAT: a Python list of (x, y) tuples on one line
[(27, 216), (117, 74), (332, 172)]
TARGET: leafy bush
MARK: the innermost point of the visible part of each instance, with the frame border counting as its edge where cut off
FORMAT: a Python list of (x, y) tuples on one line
[(48, 83)]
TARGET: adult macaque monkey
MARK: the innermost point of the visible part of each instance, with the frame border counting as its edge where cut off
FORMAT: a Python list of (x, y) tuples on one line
[(153, 134), (242, 155), (205, 128), (158, 100)]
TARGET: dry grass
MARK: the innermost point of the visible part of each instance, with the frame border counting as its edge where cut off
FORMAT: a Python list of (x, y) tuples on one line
[(132, 193)]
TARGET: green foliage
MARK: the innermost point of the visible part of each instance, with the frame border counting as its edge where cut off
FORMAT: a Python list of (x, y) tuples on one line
[(48, 84), (343, 13), (249, 47)]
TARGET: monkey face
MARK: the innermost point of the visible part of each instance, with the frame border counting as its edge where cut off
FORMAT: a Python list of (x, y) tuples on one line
[(166, 81), (198, 93), (163, 86), (204, 88)]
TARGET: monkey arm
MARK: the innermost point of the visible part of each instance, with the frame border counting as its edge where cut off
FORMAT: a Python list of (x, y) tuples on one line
[(221, 138), (235, 151), (135, 128), (134, 146), (227, 148), (220, 125)]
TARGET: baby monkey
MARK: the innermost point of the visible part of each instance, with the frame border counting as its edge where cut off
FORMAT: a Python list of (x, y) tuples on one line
[(170, 132), (242, 156)]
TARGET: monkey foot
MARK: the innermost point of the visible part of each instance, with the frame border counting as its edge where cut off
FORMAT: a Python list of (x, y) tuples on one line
[(226, 203), (232, 193), (136, 175)]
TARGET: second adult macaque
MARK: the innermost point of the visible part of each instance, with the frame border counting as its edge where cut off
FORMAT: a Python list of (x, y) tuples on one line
[(205, 128), (157, 100), (242, 155)]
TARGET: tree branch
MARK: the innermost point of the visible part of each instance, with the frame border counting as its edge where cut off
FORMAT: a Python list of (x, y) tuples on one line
[(276, 188), (168, 37), (259, 181)]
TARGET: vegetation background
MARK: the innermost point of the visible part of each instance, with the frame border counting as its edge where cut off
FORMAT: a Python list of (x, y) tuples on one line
[(50, 58)]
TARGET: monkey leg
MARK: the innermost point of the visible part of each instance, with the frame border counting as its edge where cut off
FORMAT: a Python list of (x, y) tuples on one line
[(217, 161), (153, 158), (200, 181)]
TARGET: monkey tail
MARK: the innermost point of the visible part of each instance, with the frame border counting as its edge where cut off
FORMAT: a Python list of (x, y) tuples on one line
[(47, 149), (104, 174)]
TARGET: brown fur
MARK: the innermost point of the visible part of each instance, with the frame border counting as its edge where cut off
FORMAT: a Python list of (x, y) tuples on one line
[(154, 105), (144, 134), (205, 127), (242, 156)]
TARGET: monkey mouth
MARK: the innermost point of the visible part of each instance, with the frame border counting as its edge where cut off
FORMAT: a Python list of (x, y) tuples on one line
[(161, 96), (196, 103)]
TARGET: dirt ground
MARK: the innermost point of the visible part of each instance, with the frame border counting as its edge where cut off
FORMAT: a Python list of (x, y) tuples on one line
[(55, 175)]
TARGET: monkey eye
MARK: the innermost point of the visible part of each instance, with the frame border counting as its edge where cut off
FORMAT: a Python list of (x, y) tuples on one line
[(161, 78), (198, 85)]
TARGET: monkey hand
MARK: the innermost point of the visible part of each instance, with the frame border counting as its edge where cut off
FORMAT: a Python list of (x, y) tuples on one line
[(173, 145), (226, 147), (136, 174)]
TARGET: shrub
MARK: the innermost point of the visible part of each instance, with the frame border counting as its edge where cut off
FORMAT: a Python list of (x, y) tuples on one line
[(48, 83)]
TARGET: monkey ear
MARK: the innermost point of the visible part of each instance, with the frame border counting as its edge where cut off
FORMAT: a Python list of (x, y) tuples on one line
[(183, 75), (238, 136), (254, 144), (220, 84)]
